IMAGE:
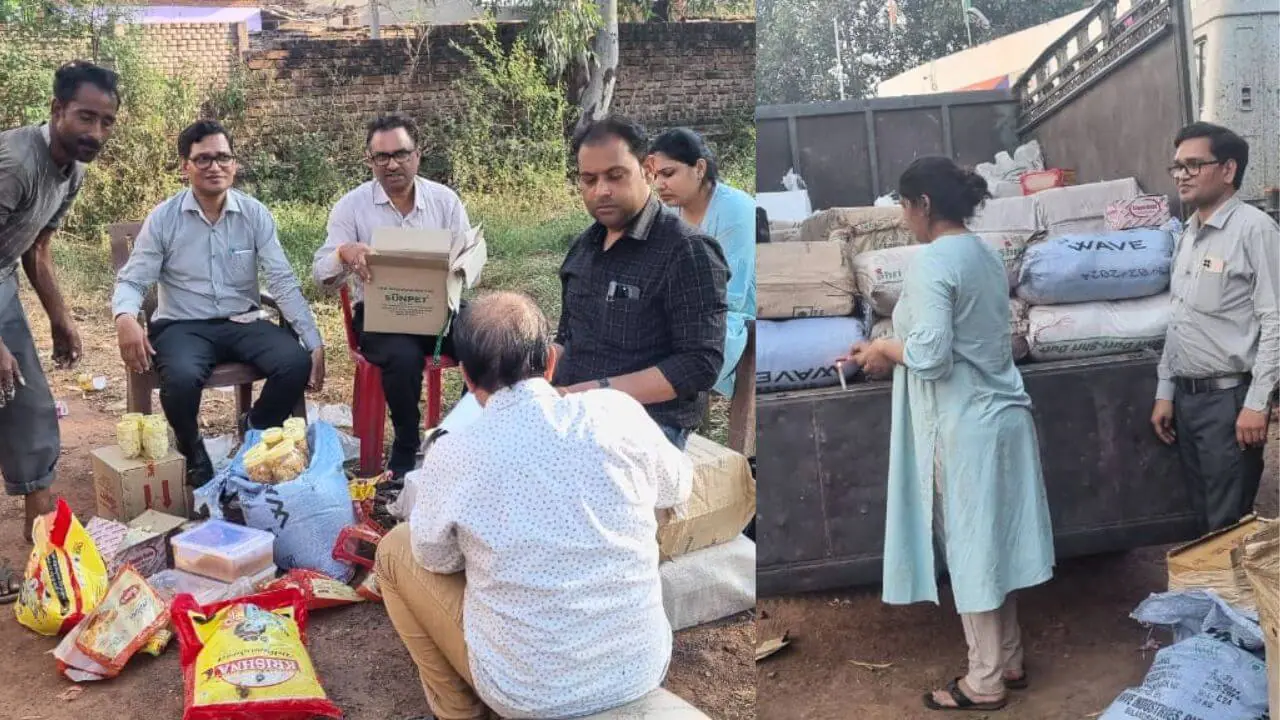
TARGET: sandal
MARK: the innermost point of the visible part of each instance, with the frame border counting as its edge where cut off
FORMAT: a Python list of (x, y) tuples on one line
[(10, 585), (963, 702)]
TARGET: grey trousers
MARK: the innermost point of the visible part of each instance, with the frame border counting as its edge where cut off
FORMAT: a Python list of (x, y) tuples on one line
[(1222, 479), (29, 438)]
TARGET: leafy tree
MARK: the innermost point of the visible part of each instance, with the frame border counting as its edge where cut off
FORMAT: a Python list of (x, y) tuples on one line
[(797, 40)]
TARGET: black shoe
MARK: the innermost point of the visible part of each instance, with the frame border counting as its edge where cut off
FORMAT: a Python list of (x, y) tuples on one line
[(199, 466)]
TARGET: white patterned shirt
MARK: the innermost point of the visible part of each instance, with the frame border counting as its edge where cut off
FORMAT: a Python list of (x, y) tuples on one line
[(548, 503)]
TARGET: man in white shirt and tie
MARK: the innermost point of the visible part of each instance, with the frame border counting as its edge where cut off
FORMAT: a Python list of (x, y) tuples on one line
[(526, 581), (396, 197)]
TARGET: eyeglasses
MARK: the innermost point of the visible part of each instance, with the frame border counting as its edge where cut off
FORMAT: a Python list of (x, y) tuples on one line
[(205, 161), (384, 159), (1191, 168)]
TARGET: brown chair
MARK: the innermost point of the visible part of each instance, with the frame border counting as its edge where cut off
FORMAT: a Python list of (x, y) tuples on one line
[(742, 406), (241, 376)]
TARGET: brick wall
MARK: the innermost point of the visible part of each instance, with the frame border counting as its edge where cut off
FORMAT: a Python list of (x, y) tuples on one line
[(203, 53), (678, 73)]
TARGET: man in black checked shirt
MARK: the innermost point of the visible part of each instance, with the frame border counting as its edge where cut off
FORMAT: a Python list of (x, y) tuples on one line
[(644, 305)]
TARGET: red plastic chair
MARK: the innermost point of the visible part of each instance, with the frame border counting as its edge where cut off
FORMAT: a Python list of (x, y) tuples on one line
[(369, 403)]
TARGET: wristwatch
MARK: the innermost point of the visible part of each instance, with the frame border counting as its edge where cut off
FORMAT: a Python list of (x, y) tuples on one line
[(603, 382)]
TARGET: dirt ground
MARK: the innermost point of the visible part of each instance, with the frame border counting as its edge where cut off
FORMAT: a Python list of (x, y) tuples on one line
[(362, 664), (1082, 647)]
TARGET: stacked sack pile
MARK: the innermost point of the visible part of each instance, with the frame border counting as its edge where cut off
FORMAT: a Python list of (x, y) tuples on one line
[(879, 273), (1095, 279), (806, 294)]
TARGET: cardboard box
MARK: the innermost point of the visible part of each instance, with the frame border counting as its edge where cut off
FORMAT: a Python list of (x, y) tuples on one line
[(802, 279), (163, 524), (418, 277), (722, 502), (1261, 562), (120, 545), (1041, 180), (128, 487), (1214, 563)]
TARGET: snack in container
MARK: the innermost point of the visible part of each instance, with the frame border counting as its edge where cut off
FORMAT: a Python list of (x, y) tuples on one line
[(286, 462), (223, 551), (155, 437), (129, 437), (247, 658), (272, 436), (295, 429), (124, 622), (256, 465)]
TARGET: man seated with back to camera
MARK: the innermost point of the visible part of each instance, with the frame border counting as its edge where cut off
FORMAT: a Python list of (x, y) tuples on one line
[(526, 582)]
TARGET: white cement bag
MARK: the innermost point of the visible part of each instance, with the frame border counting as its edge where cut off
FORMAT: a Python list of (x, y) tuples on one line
[(801, 353), (1065, 332), (879, 274), (1114, 265), (883, 328), (1026, 158), (1006, 214), (709, 584), (1079, 209)]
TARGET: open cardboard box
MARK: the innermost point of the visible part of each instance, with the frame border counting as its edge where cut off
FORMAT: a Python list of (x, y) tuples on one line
[(721, 502), (418, 278), (1213, 563)]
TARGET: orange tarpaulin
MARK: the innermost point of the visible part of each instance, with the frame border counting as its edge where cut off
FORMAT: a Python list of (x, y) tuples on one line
[(996, 83)]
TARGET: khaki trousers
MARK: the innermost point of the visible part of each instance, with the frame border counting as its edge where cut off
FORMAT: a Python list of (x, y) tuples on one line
[(994, 637), (426, 611)]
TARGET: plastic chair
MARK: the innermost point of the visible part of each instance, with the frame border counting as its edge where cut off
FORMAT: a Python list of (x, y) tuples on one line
[(369, 403)]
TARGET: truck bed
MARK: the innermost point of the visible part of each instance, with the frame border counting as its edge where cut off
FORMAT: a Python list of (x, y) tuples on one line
[(1112, 485)]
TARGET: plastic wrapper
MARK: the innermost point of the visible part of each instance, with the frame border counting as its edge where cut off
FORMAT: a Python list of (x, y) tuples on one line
[(256, 466), (295, 429), (287, 462), (129, 437), (123, 623), (247, 659), (368, 588), (155, 437), (65, 578), (320, 590), (272, 436)]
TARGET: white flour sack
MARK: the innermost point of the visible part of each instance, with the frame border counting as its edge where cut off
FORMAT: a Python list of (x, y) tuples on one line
[(1065, 332), (1115, 265), (800, 354), (883, 328), (879, 274), (1081, 208), (1006, 214)]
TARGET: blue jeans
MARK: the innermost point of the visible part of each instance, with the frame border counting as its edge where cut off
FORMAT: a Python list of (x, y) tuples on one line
[(677, 435)]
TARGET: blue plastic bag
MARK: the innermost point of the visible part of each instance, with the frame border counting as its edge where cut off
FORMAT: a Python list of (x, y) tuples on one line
[(305, 514), (1116, 265)]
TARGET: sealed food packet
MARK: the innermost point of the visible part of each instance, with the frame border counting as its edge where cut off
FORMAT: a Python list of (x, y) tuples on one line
[(320, 590), (155, 437), (66, 577), (286, 462), (129, 437), (247, 659), (124, 622)]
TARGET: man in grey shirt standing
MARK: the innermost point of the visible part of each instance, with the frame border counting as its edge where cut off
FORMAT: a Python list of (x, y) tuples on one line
[(41, 170), (1222, 353), (205, 246)]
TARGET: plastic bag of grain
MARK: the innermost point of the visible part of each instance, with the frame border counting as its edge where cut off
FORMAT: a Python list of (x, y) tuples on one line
[(800, 354), (1081, 330), (1115, 265)]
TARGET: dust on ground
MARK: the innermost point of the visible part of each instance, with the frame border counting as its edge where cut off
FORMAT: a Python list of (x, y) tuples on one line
[(1082, 649), (362, 664)]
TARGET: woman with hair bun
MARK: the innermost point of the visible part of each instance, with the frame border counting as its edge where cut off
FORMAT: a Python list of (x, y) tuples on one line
[(964, 465), (686, 177)]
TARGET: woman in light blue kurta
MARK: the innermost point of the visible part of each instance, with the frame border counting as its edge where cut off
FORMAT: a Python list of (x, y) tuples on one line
[(964, 459), (686, 177)]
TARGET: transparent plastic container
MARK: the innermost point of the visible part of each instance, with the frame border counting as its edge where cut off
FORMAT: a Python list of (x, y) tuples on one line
[(222, 551)]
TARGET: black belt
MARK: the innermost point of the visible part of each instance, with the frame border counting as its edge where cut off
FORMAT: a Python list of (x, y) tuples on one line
[(1193, 386)]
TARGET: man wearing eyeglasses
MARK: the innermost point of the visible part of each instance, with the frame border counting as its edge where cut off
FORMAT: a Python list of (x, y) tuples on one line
[(204, 248), (396, 197), (1221, 357)]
